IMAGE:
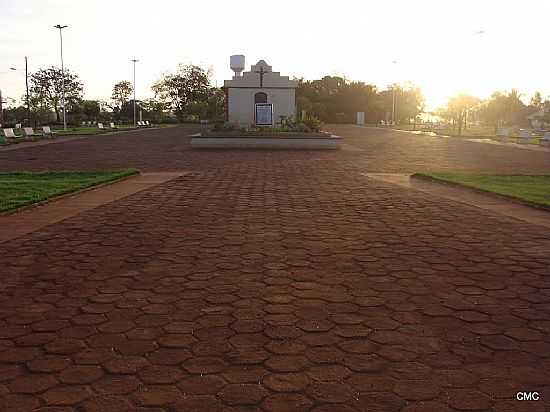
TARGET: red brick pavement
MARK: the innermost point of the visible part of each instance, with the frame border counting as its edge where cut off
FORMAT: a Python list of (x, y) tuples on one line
[(282, 281)]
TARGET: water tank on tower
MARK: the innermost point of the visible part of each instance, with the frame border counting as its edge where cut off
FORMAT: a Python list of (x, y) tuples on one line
[(237, 64)]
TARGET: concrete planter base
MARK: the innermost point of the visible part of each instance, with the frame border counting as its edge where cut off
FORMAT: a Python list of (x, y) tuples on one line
[(328, 142)]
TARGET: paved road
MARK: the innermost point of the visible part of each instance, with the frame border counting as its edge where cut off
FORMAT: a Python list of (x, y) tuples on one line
[(366, 149), (276, 281)]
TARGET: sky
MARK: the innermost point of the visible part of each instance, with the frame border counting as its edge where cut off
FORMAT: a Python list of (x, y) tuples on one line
[(443, 46)]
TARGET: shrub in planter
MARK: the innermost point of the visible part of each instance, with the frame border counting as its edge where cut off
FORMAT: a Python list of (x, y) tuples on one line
[(303, 128), (312, 123)]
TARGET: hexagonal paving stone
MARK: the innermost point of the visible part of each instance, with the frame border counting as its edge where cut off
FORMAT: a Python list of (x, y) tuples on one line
[(203, 365), (157, 374), (66, 395), (81, 374), (243, 394), (286, 402), (286, 382), (201, 385), (33, 383)]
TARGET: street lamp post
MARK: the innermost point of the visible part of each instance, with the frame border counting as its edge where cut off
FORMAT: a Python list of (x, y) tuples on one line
[(134, 61), (393, 101), (60, 27)]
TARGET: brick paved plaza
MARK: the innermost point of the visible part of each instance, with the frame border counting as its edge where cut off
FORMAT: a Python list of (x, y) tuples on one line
[(276, 281)]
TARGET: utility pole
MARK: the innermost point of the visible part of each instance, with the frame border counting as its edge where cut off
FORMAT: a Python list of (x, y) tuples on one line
[(135, 61), (60, 27), (27, 85)]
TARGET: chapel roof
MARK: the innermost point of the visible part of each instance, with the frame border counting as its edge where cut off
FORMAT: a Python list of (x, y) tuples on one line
[(269, 78)]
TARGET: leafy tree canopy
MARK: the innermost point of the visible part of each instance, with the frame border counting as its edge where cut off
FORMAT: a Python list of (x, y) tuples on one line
[(46, 88), (183, 90), (121, 94)]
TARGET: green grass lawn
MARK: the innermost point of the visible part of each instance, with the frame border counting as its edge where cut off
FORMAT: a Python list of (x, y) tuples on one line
[(472, 131), (534, 189), (85, 131), (80, 131), (19, 189)]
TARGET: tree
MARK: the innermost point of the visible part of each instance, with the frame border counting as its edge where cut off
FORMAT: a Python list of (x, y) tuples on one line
[(384, 104), (121, 94), (215, 104), (15, 114), (46, 88), (335, 99), (185, 90), (458, 108), (127, 110), (91, 109), (86, 110), (154, 109), (536, 101), (504, 109), (409, 103)]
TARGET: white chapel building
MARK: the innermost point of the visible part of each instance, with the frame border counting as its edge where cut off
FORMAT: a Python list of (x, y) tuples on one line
[(258, 97)]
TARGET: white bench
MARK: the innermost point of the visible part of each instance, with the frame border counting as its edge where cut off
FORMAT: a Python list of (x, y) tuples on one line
[(29, 132), (9, 133), (47, 131), (503, 132), (100, 126), (525, 133), (112, 125)]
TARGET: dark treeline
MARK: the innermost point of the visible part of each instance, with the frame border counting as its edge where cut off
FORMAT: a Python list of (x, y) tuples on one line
[(187, 94), (335, 99), (501, 109)]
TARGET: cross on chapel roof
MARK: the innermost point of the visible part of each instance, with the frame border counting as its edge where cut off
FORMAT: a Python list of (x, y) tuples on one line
[(261, 66)]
